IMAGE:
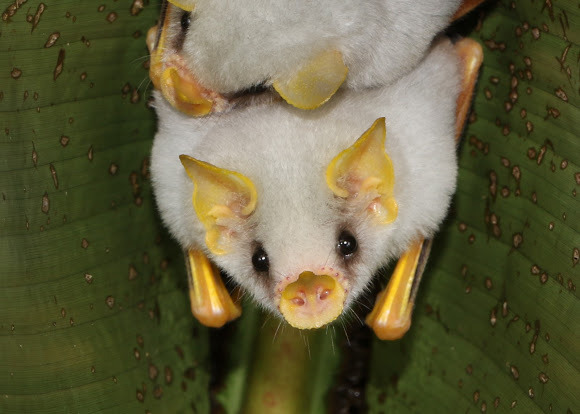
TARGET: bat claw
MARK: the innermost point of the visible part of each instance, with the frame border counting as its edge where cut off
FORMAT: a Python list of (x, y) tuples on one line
[(211, 303)]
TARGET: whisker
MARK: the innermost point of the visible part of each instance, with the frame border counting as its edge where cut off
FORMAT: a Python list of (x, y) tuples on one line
[(146, 79), (332, 340), (306, 340), (345, 332), (276, 333), (266, 320), (140, 59), (351, 310)]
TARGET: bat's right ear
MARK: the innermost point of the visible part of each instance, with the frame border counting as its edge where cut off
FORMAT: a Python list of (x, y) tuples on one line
[(222, 200), (364, 173), (465, 7), (187, 5), (314, 83)]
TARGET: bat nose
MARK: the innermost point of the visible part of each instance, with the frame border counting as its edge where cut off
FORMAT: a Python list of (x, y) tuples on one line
[(312, 301)]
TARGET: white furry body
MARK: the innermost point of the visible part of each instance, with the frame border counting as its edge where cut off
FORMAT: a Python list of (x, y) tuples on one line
[(285, 152), (232, 45)]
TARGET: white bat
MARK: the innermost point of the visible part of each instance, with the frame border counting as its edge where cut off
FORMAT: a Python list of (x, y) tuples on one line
[(301, 208), (210, 52)]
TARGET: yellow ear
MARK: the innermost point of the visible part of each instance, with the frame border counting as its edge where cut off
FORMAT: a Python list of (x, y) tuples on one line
[(187, 5), (366, 169), (221, 199), (313, 84)]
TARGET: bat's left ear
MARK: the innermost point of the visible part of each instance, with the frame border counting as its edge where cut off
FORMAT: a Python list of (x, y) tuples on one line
[(222, 200), (365, 171)]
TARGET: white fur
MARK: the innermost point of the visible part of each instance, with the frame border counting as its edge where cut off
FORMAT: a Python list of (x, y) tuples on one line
[(285, 152), (232, 45)]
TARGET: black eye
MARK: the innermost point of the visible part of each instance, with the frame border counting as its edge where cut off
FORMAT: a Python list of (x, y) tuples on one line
[(347, 244), (260, 260), (185, 21)]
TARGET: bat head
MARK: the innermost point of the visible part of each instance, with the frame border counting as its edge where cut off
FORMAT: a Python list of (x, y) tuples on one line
[(305, 50), (311, 289), (301, 208)]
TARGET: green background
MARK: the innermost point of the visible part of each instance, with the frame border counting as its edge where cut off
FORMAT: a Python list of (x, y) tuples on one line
[(94, 315)]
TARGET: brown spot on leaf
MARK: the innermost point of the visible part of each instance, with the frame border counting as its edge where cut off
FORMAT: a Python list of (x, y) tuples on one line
[(158, 391), (575, 256), (111, 17), (136, 7), (64, 140), (36, 19), (518, 239), (529, 126), (88, 278), (34, 155), (516, 172), (133, 272), (59, 64), (561, 94), (52, 38), (84, 243), (153, 372), (168, 375), (493, 184), (54, 176), (113, 168), (45, 203), (543, 377), (493, 316), (515, 372), (543, 149), (110, 301), (90, 153), (488, 283), (16, 73), (135, 97)]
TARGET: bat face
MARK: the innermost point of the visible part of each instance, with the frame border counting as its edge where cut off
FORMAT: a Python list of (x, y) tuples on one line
[(236, 47), (304, 207)]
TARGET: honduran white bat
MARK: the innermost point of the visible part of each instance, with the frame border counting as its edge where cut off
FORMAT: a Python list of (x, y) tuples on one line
[(209, 52), (301, 208)]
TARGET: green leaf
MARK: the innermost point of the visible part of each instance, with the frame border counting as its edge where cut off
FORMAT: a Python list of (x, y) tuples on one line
[(93, 311), (496, 326)]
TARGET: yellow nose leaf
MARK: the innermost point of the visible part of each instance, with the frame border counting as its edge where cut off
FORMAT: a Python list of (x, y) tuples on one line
[(313, 84), (187, 5), (312, 301), (211, 303)]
